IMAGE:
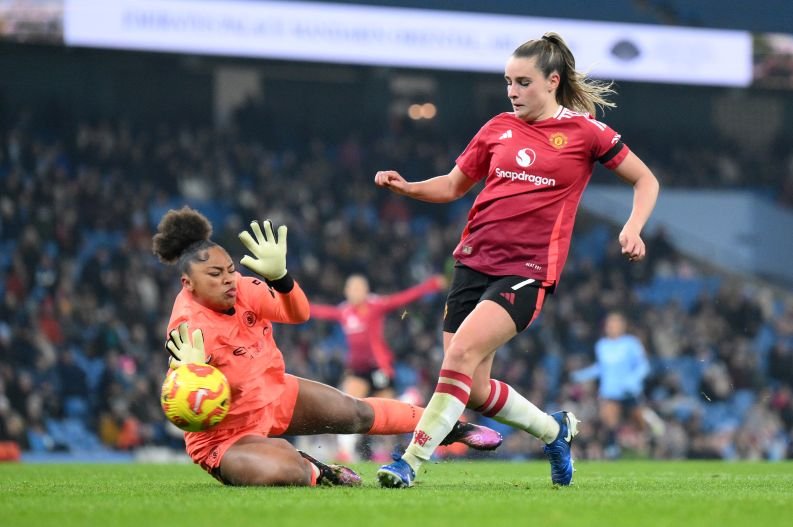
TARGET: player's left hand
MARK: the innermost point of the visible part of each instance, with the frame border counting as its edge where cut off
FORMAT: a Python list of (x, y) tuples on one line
[(183, 350), (439, 281), (632, 244), (269, 251)]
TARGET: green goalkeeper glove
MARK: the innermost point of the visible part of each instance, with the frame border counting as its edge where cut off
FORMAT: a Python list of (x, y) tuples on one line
[(182, 350), (269, 252)]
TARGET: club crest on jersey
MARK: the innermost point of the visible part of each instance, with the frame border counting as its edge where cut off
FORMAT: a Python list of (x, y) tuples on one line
[(525, 157), (558, 140)]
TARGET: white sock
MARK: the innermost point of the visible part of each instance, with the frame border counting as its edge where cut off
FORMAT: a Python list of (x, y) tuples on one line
[(346, 447), (444, 409), (657, 426), (507, 406)]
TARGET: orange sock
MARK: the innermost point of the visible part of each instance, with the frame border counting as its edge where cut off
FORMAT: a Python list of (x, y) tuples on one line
[(314, 473), (392, 416)]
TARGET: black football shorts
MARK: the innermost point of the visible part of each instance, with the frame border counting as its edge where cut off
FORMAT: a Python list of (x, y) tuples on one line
[(522, 297)]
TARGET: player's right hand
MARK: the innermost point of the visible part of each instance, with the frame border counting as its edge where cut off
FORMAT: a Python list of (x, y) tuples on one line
[(392, 180), (183, 350)]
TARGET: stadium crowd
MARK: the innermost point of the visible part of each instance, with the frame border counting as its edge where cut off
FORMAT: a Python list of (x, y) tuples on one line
[(84, 303)]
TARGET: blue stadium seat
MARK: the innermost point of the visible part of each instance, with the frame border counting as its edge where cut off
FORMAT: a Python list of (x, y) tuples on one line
[(684, 291), (592, 244)]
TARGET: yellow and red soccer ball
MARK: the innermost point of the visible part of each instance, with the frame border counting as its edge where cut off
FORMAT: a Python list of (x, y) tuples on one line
[(195, 397)]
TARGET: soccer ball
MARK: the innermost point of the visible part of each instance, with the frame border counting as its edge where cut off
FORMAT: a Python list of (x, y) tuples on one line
[(195, 397)]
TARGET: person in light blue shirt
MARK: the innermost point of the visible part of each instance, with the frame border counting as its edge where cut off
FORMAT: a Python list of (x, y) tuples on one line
[(621, 367)]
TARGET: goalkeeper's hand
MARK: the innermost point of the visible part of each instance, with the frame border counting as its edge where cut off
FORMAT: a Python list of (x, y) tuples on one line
[(182, 350), (269, 251)]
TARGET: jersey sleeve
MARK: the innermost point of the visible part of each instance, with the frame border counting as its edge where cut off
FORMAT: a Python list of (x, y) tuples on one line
[(475, 159), (396, 300), (185, 311), (288, 308), (641, 363), (181, 312), (607, 145), (586, 374), (325, 312)]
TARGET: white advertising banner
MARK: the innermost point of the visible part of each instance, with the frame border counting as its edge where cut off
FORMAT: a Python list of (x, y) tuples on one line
[(414, 38)]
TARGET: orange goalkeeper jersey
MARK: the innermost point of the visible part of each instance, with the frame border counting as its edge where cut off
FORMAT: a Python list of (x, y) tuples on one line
[(240, 342)]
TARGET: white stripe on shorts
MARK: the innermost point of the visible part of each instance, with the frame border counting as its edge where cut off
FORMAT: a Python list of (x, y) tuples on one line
[(523, 283)]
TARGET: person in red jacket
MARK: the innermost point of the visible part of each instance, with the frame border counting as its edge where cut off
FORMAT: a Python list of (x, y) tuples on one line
[(370, 362), (232, 320)]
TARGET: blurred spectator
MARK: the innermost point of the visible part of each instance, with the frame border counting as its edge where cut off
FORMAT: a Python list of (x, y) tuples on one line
[(621, 368)]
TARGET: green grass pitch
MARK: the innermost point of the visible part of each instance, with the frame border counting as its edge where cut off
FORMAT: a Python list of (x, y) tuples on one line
[(456, 493)]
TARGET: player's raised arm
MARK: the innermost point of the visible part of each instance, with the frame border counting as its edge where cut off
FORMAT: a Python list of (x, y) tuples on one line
[(432, 284), (440, 189)]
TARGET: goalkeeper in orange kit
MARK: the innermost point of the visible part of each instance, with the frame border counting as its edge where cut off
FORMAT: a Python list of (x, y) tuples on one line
[(231, 316)]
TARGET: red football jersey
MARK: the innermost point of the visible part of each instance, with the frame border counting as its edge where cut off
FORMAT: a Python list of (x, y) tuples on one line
[(522, 220)]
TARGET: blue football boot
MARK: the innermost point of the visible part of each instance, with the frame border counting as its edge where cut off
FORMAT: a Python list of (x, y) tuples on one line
[(558, 451), (396, 475)]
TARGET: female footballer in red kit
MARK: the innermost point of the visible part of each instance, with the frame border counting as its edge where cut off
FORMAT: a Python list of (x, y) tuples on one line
[(536, 162), (232, 321)]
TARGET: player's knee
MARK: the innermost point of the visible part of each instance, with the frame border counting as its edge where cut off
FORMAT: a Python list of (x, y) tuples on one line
[(363, 417), (461, 355)]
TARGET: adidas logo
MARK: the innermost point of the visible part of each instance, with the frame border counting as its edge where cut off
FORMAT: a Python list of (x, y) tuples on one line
[(506, 135), (510, 297)]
